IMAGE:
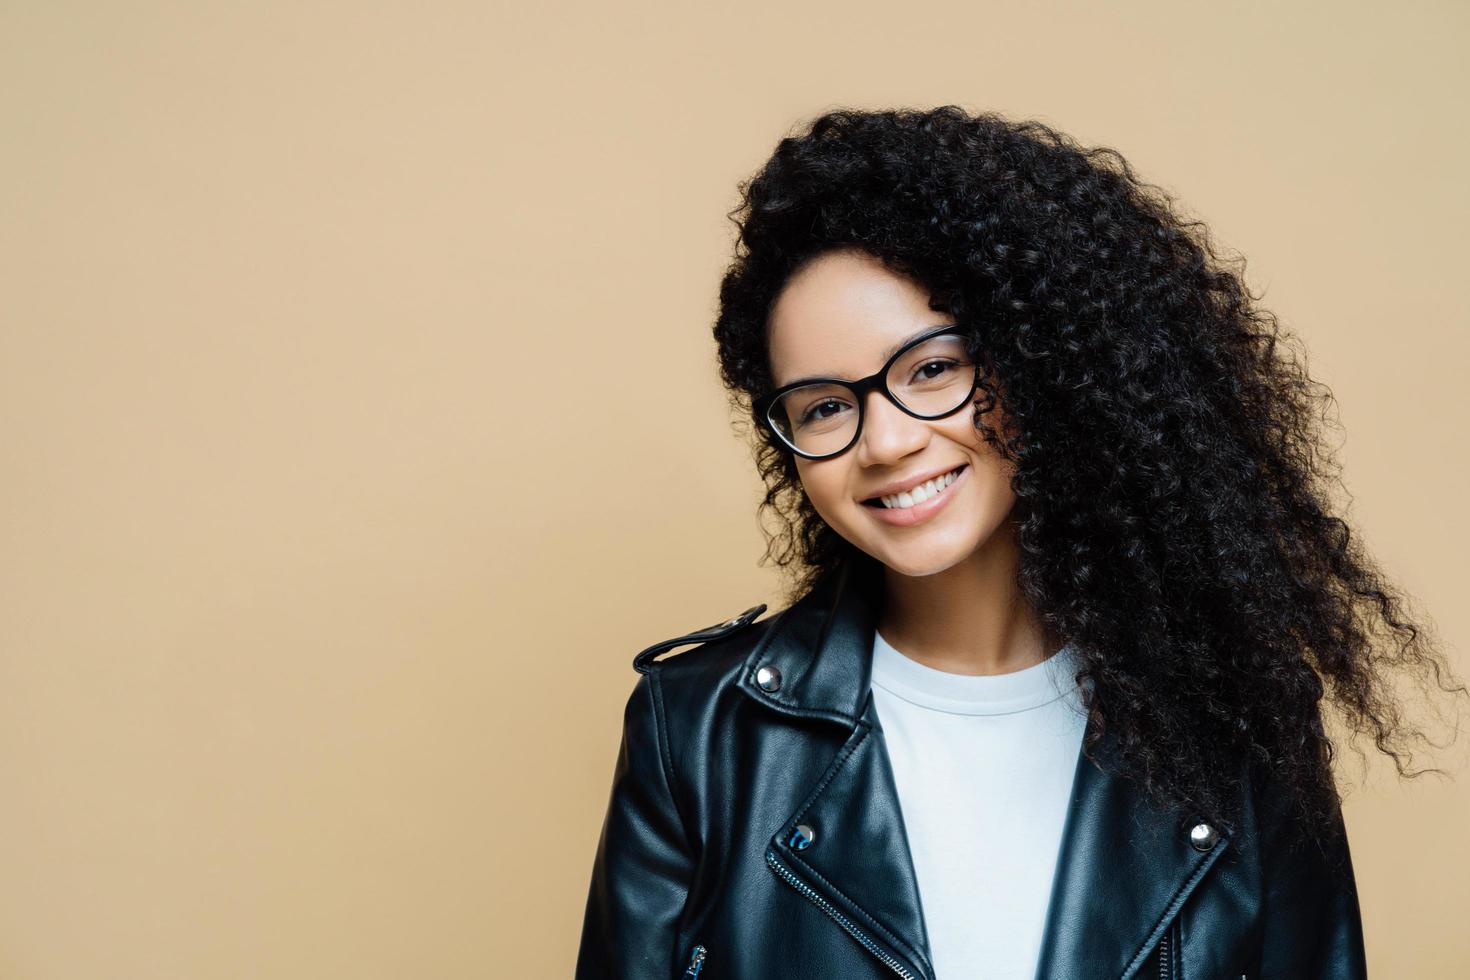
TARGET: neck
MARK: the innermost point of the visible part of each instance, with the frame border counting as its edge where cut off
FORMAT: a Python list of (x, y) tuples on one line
[(970, 618)]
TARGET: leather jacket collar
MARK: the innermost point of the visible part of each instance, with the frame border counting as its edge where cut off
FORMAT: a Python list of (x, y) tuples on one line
[(820, 646)]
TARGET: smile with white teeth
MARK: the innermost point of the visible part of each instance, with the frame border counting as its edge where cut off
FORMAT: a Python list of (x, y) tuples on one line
[(922, 492)]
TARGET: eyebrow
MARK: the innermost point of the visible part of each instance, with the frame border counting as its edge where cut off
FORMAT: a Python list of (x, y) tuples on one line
[(893, 349)]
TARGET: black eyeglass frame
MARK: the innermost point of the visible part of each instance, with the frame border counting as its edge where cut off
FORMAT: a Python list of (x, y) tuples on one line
[(860, 388)]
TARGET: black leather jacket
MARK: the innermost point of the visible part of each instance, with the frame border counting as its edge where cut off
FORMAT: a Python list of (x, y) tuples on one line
[(700, 870)]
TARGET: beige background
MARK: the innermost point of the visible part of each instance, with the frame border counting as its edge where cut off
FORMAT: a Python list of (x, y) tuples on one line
[(361, 422)]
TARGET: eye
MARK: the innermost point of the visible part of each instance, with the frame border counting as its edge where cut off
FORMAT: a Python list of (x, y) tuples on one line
[(814, 413), (941, 364)]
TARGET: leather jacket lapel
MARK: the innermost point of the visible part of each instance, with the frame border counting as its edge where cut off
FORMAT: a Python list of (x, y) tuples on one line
[(821, 646), (845, 846), (1123, 871)]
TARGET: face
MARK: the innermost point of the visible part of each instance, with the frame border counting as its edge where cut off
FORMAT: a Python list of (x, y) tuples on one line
[(839, 317)]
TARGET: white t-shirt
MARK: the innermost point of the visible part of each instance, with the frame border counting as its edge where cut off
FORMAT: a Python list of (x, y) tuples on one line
[(983, 767)]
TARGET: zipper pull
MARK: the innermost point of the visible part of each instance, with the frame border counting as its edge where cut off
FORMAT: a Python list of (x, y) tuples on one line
[(696, 962)]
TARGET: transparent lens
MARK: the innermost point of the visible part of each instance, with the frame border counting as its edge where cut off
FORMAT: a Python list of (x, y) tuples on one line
[(934, 378), (931, 380), (816, 419)]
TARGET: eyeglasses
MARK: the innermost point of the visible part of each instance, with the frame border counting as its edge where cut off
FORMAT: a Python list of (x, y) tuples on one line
[(931, 377)]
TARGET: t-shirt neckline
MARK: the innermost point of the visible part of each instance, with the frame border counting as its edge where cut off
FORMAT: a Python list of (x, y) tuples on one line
[(972, 694)]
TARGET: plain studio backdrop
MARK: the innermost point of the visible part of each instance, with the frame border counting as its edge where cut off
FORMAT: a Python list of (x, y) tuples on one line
[(361, 422)]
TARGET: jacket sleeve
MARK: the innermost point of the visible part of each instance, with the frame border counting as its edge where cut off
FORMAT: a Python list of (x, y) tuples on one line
[(1312, 926), (643, 865)]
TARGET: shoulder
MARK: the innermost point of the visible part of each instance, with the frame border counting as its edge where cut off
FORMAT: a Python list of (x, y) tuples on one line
[(684, 700), (688, 681), (717, 638)]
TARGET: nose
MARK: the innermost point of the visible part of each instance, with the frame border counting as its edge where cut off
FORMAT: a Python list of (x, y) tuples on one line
[(889, 433)]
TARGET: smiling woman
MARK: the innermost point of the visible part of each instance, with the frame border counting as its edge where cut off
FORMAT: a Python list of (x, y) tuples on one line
[(1068, 600)]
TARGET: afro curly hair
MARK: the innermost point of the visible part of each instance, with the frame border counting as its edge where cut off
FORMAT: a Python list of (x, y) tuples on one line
[(1170, 473)]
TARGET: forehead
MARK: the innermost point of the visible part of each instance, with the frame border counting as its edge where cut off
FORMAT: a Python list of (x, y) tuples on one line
[(841, 315)]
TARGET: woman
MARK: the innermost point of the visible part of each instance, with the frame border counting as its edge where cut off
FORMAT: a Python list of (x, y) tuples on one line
[(1045, 702)]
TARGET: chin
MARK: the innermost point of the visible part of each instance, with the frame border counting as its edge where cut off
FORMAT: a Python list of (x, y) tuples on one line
[(921, 559)]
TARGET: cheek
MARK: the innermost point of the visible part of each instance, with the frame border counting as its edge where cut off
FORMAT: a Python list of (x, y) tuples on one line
[(992, 470), (960, 428), (824, 485)]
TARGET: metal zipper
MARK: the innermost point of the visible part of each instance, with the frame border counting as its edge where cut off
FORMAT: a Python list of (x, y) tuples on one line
[(1166, 959), (838, 917), (696, 962)]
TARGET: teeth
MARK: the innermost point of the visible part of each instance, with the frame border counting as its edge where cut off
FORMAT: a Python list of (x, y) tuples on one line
[(920, 493)]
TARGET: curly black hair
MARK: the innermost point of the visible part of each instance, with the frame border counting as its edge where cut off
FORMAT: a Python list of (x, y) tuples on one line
[(1171, 477)]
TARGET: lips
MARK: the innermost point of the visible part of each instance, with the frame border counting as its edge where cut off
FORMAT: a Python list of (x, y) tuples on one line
[(921, 513), (909, 484)]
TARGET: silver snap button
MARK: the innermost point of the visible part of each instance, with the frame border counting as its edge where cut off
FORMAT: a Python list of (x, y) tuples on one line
[(768, 677), (802, 837), (1203, 836)]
